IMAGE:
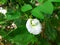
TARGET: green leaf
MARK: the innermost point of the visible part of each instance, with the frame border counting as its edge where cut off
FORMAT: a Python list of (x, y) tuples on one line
[(50, 32), (54, 0), (44, 42), (2, 17), (47, 7), (26, 7), (13, 15), (18, 22), (2, 32), (35, 12), (40, 1), (58, 43), (3, 1), (22, 37)]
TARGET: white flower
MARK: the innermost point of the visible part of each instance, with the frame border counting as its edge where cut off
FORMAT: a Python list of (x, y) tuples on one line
[(3, 11), (34, 26)]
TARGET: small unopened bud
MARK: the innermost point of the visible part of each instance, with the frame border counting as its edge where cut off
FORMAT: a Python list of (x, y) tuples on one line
[(14, 25), (0, 26), (11, 27), (56, 16), (0, 38), (37, 4), (8, 27)]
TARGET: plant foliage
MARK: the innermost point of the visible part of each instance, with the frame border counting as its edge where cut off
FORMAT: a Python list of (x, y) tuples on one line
[(19, 11)]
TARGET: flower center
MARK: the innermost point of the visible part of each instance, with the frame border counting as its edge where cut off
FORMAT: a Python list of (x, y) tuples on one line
[(34, 23)]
